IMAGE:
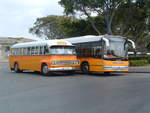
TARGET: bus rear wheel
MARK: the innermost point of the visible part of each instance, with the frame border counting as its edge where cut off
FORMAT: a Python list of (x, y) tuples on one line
[(85, 68), (16, 68), (45, 70)]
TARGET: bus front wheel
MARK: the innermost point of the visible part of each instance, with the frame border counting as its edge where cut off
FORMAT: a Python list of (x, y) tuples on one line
[(85, 68), (45, 70)]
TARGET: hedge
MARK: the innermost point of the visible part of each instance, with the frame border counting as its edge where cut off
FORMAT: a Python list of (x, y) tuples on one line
[(138, 62), (140, 58)]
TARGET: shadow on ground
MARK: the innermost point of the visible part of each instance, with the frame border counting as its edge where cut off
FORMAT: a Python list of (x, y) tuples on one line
[(61, 74)]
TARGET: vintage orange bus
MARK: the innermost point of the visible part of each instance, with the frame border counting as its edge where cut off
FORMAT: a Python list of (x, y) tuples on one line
[(105, 53), (44, 56)]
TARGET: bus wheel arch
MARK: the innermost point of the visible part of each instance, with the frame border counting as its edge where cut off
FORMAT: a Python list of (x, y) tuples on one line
[(16, 67), (85, 67)]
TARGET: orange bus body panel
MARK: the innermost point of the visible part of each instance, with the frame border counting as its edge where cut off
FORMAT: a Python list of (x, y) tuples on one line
[(34, 62), (97, 64)]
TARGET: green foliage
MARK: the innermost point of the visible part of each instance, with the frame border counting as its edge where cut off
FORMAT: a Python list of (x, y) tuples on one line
[(49, 27), (7, 48), (140, 58), (138, 62), (55, 27), (128, 18), (131, 21), (137, 57), (105, 8)]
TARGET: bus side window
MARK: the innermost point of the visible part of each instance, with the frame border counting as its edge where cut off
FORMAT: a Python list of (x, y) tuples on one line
[(32, 50), (21, 51), (28, 51), (14, 51), (36, 50), (17, 51), (46, 51), (98, 51), (41, 50), (24, 51)]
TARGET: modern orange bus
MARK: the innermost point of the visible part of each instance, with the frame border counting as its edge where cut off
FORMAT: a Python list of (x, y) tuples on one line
[(105, 53), (44, 56)]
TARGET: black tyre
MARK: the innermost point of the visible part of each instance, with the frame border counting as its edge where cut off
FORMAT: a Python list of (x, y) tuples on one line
[(16, 68), (106, 73), (70, 72), (85, 68), (11, 69), (45, 70), (36, 72)]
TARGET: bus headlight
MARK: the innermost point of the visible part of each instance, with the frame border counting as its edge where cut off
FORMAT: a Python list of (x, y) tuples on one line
[(54, 63), (76, 62), (65, 62)]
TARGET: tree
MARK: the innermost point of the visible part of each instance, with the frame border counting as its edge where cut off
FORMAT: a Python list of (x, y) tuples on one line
[(55, 27), (130, 18), (105, 8), (131, 21), (48, 27)]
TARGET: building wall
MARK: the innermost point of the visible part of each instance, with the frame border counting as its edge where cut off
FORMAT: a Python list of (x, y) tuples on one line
[(6, 42)]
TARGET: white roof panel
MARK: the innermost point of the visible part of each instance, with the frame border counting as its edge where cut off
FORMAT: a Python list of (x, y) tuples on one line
[(82, 39), (92, 38), (41, 43)]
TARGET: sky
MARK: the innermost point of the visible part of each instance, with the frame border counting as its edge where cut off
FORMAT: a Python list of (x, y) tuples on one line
[(17, 16)]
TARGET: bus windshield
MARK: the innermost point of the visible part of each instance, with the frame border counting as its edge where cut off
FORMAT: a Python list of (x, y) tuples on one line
[(62, 50), (117, 49)]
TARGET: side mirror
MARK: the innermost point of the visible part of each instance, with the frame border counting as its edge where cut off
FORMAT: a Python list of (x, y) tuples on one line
[(133, 44)]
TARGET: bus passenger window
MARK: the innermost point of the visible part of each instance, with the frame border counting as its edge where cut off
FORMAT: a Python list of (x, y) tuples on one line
[(46, 51), (98, 53), (33, 51), (25, 51), (41, 50), (36, 50), (28, 51)]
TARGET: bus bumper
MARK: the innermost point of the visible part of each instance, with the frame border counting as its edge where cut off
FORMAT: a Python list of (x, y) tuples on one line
[(63, 68), (115, 68)]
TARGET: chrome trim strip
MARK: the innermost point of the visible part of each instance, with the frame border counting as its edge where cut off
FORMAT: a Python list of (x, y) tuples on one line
[(116, 67), (63, 68)]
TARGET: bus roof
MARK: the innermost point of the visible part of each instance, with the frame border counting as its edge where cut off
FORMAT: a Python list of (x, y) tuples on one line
[(42, 43), (90, 38)]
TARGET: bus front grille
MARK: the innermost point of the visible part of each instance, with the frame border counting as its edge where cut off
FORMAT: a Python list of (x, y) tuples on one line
[(66, 62)]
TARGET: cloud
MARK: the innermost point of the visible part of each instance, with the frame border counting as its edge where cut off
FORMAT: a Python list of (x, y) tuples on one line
[(17, 16)]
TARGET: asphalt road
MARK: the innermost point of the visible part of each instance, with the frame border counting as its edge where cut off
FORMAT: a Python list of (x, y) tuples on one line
[(32, 93)]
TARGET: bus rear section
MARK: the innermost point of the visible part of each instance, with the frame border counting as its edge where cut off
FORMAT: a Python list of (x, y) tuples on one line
[(45, 57), (105, 53)]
